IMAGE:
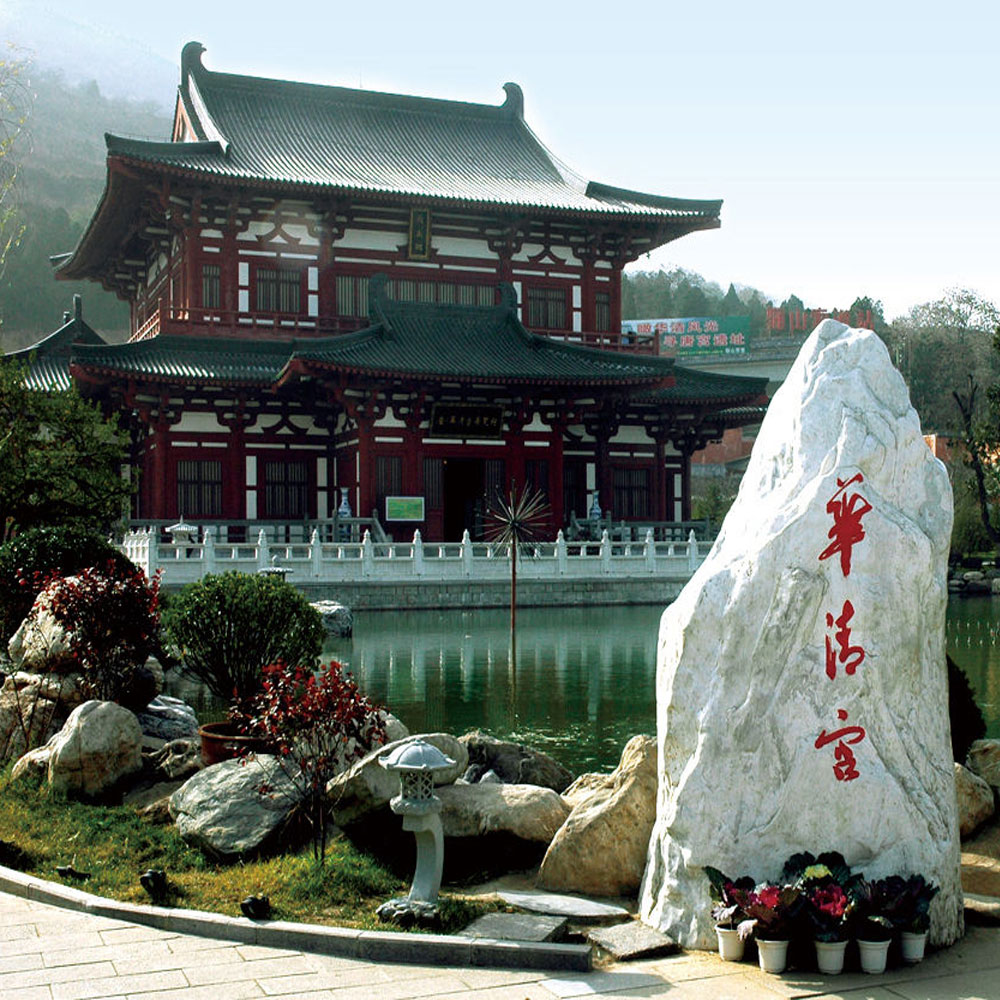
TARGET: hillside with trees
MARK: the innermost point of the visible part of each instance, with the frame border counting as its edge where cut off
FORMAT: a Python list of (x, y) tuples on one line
[(59, 157)]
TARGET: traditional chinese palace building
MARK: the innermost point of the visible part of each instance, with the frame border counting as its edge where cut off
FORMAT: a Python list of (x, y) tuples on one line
[(337, 292)]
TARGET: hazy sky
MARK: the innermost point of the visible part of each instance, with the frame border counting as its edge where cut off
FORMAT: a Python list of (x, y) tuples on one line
[(856, 145)]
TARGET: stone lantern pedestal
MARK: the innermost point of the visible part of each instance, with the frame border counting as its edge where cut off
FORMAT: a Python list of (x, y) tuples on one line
[(417, 763)]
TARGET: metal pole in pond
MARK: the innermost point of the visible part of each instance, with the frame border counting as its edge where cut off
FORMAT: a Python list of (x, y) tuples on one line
[(513, 523)]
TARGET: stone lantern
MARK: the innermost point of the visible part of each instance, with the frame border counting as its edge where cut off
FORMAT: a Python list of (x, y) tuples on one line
[(417, 763)]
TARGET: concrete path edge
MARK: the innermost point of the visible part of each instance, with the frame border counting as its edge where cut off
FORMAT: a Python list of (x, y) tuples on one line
[(373, 946)]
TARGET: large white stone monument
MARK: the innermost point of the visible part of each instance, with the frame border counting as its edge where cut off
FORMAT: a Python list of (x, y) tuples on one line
[(801, 689)]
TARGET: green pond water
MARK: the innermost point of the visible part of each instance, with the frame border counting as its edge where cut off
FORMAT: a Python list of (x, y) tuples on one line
[(584, 678)]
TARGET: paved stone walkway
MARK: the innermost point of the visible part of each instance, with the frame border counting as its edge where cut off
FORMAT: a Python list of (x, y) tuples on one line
[(49, 953)]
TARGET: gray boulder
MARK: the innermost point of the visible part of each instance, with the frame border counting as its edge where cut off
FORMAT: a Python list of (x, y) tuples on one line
[(513, 763), (223, 811), (167, 718), (337, 618), (367, 786)]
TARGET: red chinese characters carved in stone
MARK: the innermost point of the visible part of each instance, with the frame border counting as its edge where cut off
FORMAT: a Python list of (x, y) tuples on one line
[(850, 656), (847, 511), (845, 764)]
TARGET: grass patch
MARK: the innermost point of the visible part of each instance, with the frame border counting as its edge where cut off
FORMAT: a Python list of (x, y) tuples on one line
[(114, 845)]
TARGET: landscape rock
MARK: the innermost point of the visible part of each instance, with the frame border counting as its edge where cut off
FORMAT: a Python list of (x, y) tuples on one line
[(99, 745), (766, 745), (177, 759), (40, 644), (579, 911), (631, 940), (975, 800), (513, 763), (366, 785), (984, 760), (585, 786), (527, 812), (167, 718), (394, 729), (33, 708), (146, 797), (338, 620), (223, 812), (35, 763), (601, 848)]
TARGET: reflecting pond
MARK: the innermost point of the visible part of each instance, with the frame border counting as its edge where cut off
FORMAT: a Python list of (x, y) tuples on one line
[(583, 684), (584, 681)]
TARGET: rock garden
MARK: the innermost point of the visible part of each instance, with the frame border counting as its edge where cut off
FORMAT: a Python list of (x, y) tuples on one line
[(286, 808)]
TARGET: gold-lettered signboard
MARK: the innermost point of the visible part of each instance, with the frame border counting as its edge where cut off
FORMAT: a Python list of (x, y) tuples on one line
[(466, 420), (404, 508)]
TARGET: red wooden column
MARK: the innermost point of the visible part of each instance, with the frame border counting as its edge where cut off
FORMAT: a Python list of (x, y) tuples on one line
[(659, 498), (555, 497), (365, 465)]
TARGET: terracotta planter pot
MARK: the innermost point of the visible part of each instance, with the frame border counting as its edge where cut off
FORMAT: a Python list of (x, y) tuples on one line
[(220, 741), (731, 946)]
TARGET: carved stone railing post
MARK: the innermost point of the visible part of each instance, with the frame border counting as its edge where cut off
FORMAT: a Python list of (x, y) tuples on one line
[(316, 554), (418, 554)]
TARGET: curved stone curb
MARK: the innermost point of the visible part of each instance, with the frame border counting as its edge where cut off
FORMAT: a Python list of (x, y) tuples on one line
[(373, 946)]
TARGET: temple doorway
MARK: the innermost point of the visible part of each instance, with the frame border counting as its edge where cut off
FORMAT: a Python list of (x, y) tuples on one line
[(469, 486)]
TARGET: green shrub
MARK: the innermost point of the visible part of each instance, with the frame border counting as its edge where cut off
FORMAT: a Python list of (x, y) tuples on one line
[(229, 627), (39, 553)]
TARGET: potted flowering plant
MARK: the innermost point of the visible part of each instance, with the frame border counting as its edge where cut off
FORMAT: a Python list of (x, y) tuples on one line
[(729, 898), (874, 903), (912, 915), (769, 910), (825, 883)]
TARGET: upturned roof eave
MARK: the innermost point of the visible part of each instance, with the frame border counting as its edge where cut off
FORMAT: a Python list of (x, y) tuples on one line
[(653, 214)]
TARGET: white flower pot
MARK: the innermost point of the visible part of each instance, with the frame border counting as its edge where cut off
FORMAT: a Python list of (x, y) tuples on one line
[(731, 945), (772, 955), (873, 954), (830, 957), (913, 946)]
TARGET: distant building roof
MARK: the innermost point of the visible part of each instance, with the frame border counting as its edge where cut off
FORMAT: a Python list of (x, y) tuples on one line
[(48, 360)]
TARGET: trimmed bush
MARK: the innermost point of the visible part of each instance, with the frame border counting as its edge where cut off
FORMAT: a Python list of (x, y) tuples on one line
[(40, 553), (229, 627)]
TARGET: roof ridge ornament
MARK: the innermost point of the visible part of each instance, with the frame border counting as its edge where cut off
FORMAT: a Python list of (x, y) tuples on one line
[(514, 104), (191, 60)]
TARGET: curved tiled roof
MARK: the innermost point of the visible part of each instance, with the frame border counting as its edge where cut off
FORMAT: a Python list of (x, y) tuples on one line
[(250, 129), (187, 359), (471, 343)]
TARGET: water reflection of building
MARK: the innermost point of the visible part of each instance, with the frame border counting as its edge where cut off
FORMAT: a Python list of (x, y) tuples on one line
[(578, 672), (272, 372)]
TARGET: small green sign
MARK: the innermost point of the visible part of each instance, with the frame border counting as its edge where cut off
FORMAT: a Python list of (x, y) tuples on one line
[(404, 508)]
